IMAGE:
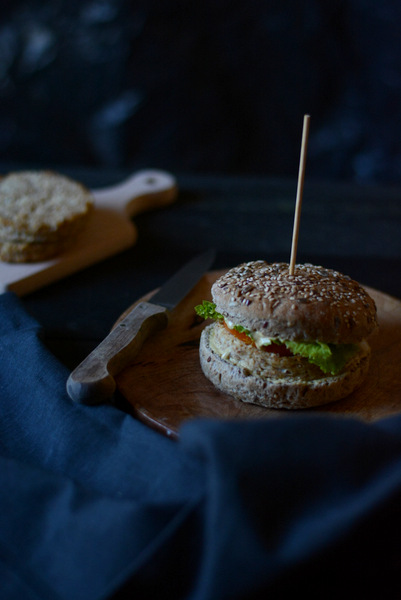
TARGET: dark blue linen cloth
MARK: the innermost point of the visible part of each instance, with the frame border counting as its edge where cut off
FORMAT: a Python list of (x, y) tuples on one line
[(95, 505)]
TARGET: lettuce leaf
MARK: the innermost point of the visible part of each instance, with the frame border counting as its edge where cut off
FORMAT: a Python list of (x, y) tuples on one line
[(207, 310), (331, 358)]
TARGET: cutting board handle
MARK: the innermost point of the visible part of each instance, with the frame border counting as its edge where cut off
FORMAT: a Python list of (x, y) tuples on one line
[(146, 189)]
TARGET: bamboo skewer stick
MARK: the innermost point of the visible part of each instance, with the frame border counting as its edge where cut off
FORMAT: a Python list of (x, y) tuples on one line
[(300, 188)]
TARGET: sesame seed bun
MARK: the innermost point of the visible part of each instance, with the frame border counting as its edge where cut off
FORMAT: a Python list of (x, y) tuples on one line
[(313, 305)]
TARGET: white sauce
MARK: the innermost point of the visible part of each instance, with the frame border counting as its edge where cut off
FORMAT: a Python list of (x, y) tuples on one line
[(258, 337)]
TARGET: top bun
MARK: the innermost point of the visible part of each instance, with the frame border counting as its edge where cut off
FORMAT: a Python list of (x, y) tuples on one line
[(313, 304)]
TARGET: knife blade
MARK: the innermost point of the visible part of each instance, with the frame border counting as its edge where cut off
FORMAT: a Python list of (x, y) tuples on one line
[(92, 382)]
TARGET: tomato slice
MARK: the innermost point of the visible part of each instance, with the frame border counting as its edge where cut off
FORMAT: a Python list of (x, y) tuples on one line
[(239, 334), (274, 348)]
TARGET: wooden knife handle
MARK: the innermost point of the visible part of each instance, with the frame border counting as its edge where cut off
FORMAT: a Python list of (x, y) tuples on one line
[(92, 382)]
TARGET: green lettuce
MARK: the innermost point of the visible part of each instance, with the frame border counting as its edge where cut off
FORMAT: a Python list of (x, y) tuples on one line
[(330, 358), (207, 310)]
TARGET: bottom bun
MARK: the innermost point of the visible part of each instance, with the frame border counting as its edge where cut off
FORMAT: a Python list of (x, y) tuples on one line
[(273, 381), (27, 252)]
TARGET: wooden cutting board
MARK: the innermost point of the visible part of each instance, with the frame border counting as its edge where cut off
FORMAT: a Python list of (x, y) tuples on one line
[(110, 230), (165, 385)]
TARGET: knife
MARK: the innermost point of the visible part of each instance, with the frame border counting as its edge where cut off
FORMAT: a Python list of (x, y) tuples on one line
[(92, 382)]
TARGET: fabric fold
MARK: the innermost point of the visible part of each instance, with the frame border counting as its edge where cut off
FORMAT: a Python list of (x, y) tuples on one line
[(300, 501)]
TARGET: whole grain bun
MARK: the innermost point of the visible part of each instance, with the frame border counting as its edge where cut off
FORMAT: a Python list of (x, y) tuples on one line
[(313, 304), (40, 213), (271, 381)]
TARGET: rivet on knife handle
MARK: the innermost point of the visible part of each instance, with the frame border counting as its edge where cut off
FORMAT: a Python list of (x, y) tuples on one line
[(92, 382)]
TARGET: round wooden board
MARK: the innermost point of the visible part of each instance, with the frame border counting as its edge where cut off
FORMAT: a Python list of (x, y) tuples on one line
[(165, 385)]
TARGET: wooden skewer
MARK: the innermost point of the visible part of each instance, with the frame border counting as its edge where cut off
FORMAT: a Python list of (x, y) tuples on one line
[(300, 188)]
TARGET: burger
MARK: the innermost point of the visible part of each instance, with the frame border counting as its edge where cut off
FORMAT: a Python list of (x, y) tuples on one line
[(283, 340)]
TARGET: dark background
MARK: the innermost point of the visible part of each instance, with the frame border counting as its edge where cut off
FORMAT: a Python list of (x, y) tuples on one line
[(203, 86)]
